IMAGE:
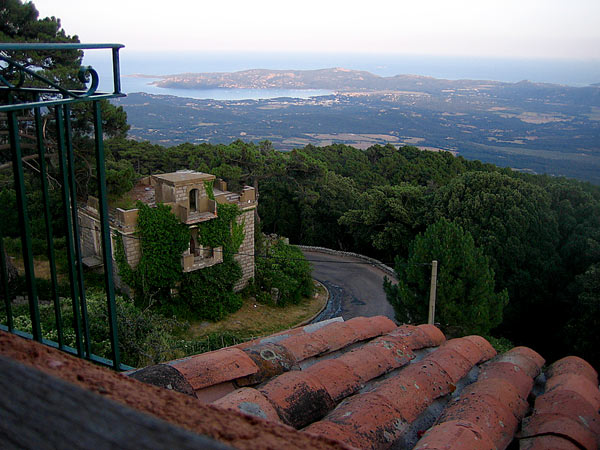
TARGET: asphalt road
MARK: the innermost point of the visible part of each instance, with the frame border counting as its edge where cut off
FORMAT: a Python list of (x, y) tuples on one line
[(356, 287)]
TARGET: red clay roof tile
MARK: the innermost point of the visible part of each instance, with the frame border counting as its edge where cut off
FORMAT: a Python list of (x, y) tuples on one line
[(371, 361), (364, 421), (530, 354), (547, 442), (455, 435), (455, 365), (369, 327), (303, 346), (486, 348), (503, 391), (216, 391), (524, 363), (415, 337), (406, 396), (271, 360), (337, 335), (559, 425), (429, 377), (397, 347), (509, 372), (337, 377), (215, 367), (434, 333), (573, 364), (571, 404), (576, 383), (249, 401), (298, 397), (468, 349), (495, 419)]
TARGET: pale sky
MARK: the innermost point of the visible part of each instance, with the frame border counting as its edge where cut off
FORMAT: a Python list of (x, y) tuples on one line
[(491, 28)]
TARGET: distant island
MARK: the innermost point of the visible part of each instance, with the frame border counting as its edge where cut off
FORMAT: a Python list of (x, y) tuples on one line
[(535, 127), (334, 79)]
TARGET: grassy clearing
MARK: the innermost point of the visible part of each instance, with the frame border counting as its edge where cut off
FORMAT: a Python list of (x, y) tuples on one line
[(256, 319)]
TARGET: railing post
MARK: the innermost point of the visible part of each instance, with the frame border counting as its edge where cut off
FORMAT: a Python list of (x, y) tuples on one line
[(48, 220), (76, 231), (62, 162), (17, 163), (106, 244)]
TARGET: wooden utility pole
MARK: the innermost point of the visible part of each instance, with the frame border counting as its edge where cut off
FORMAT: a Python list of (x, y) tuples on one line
[(432, 292)]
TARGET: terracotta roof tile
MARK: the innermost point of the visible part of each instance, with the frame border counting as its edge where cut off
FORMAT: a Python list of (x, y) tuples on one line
[(494, 404), (503, 391), (415, 337), (249, 401), (455, 365), (337, 335), (365, 421), (337, 377), (509, 372), (571, 404), (485, 347), (559, 425), (271, 360), (371, 361), (430, 377), (369, 327), (474, 352), (434, 333), (524, 363), (496, 420), (455, 435), (303, 346), (576, 383), (530, 354), (215, 367), (575, 365), (298, 397), (567, 412), (547, 442), (408, 396)]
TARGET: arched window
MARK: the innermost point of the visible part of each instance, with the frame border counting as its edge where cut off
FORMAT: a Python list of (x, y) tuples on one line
[(194, 200)]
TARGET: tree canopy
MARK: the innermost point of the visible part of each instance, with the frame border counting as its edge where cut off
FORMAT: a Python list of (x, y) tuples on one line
[(466, 301)]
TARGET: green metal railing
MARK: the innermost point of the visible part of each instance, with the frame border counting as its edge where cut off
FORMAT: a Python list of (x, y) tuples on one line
[(30, 105)]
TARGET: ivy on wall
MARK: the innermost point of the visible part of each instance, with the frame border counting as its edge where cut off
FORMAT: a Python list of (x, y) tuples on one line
[(163, 238), (203, 294), (208, 293)]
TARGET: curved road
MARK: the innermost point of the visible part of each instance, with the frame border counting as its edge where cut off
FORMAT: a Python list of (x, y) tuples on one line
[(356, 287)]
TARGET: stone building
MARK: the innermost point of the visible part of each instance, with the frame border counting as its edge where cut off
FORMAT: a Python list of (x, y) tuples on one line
[(185, 192)]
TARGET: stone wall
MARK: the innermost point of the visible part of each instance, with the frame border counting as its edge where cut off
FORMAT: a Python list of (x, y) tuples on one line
[(245, 255), (87, 227)]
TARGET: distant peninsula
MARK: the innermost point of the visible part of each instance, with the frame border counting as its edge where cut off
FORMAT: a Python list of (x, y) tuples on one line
[(333, 79)]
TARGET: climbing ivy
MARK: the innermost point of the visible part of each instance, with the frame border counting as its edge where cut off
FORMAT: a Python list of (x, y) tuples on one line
[(208, 293), (163, 238), (223, 231), (208, 186)]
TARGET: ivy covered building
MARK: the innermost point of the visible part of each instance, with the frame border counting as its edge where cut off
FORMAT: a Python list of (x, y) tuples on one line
[(193, 198)]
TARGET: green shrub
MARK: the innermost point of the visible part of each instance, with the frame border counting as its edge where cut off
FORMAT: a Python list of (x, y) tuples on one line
[(208, 293), (284, 268)]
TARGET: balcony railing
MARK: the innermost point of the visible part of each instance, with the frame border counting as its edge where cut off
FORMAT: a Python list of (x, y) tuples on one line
[(27, 107)]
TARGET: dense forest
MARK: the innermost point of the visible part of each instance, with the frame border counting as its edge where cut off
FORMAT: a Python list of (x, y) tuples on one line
[(538, 235)]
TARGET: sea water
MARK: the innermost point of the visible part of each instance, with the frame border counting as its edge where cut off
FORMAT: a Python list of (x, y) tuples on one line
[(565, 71)]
